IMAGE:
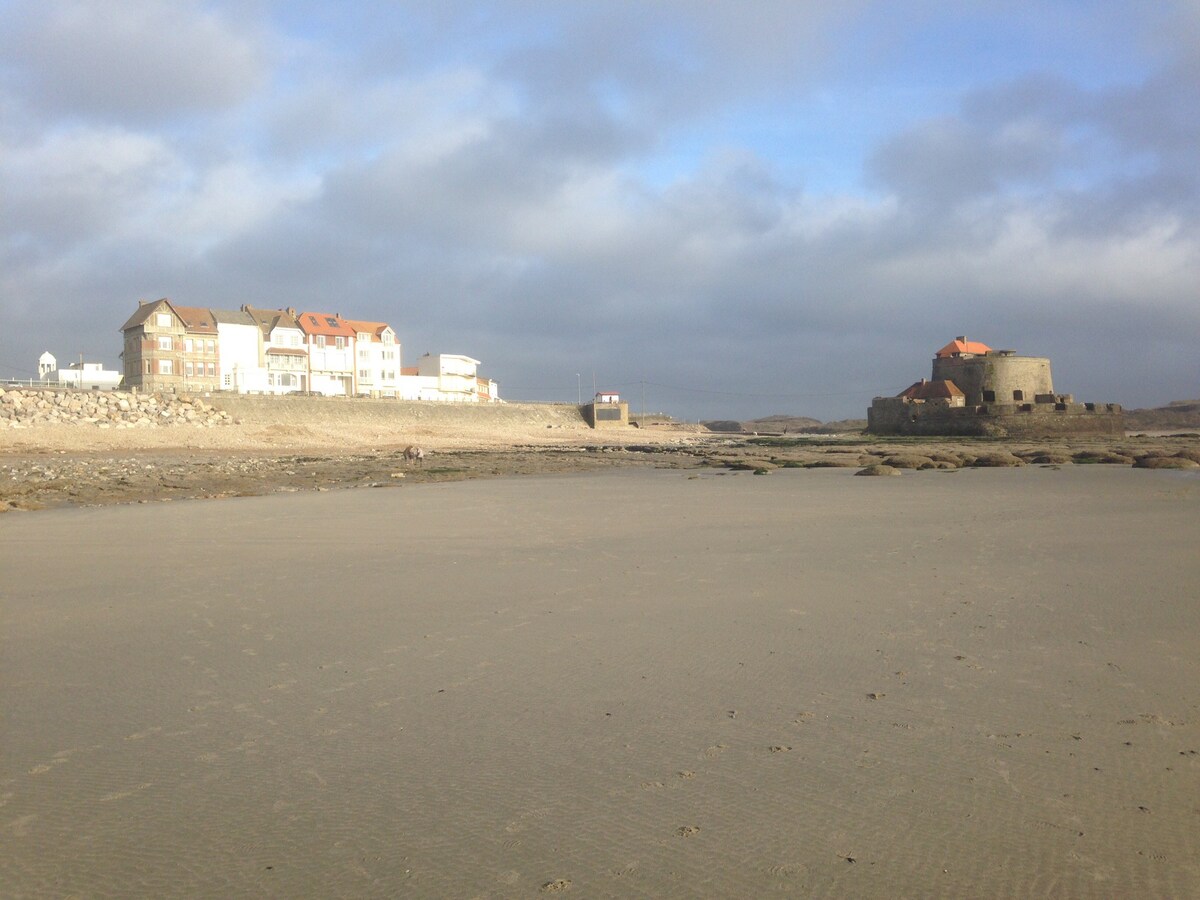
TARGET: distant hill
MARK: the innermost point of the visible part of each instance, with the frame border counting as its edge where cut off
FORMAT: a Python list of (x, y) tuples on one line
[(785, 425), (1178, 415)]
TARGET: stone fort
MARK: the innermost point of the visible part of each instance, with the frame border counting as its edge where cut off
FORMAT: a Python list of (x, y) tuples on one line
[(977, 391)]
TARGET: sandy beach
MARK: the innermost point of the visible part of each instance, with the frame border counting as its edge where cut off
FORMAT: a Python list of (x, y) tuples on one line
[(624, 683)]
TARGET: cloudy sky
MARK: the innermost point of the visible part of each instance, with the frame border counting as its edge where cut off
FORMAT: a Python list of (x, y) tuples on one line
[(731, 208)]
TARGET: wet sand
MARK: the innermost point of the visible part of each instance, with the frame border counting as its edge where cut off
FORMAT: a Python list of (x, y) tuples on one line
[(626, 683)]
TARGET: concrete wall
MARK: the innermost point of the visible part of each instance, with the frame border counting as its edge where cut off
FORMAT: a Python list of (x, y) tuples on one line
[(606, 415)]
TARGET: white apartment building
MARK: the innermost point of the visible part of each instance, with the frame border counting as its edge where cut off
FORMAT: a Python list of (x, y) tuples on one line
[(376, 359), (285, 357), (447, 378), (239, 352)]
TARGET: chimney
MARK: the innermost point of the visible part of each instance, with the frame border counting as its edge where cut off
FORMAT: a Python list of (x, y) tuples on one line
[(961, 337)]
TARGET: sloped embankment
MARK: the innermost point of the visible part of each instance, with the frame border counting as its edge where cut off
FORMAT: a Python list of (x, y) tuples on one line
[(445, 422)]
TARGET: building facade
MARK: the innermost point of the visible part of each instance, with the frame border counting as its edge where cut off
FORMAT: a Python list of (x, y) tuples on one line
[(329, 340), (279, 351), (376, 359), (170, 347)]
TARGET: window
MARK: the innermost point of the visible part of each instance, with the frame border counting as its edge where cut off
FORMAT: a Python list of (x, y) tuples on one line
[(1018, 395), (210, 346), (294, 340), (162, 320), (989, 396), (320, 340), (165, 342), (339, 342), (212, 370), (165, 367), (362, 352), (228, 379), (148, 372), (331, 321), (364, 374), (187, 345), (187, 369)]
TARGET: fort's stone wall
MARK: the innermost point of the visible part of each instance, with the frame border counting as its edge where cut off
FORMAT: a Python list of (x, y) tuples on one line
[(898, 415), (996, 377)]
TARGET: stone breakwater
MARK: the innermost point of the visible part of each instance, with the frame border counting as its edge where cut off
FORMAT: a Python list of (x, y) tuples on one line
[(29, 407)]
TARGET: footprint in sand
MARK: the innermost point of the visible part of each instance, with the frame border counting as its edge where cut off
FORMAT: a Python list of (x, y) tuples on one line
[(139, 735), (556, 886), (714, 751), (787, 870), (19, 827), (686, 774), (688, 830), (121, 795), (651, 785)]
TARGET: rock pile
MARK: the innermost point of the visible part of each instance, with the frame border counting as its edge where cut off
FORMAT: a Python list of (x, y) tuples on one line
[(27, 407)]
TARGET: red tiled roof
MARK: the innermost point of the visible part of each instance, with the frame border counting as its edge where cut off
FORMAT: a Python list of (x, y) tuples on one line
[(375, 329), (962, 345), (196, 319), (324, 323), (932, 390)]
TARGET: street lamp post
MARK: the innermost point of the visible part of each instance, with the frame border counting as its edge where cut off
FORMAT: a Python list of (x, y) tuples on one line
[(578, 389)]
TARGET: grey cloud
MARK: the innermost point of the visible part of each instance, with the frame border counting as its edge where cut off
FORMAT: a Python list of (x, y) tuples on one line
[(133, 61)]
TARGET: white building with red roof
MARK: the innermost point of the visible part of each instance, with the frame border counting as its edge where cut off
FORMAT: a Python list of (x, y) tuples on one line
[(376, 359), (329, 340)]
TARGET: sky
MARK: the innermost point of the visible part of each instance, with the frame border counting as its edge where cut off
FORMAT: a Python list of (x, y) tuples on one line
[(719, 209)]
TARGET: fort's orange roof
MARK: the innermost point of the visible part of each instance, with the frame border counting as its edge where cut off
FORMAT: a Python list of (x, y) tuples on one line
[(932, 390), (962, 345)]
